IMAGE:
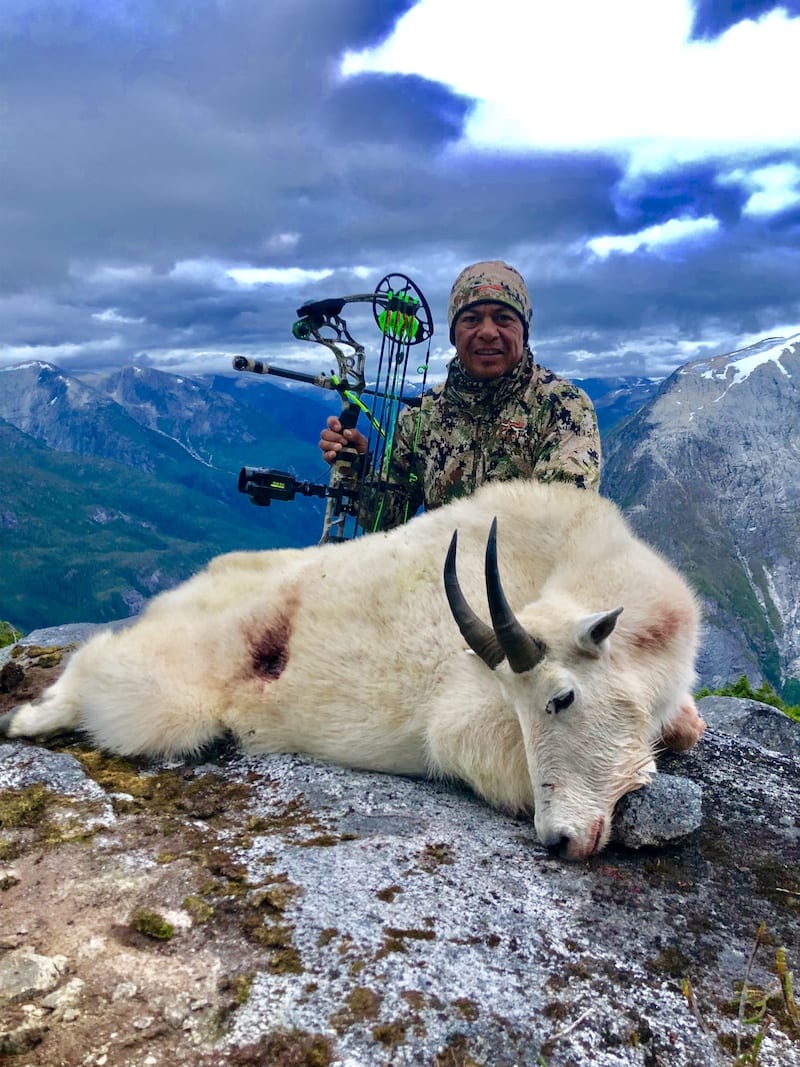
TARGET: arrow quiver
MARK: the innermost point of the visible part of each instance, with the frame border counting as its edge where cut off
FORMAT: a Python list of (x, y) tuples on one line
[(403, 317)]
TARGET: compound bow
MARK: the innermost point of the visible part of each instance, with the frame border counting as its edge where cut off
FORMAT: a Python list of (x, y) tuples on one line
[(404, 319)]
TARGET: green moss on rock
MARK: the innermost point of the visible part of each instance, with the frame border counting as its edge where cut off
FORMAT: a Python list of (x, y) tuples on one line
[(151, 924)]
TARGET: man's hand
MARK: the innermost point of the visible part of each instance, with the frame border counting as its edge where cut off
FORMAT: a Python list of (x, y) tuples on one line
[(334, 439)]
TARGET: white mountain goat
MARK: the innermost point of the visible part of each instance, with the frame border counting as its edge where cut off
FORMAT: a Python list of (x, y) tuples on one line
[(350, 653)]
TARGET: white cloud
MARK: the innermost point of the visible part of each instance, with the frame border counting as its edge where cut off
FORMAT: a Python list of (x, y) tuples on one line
[(112, 315), (112, 275), (213, 272), (224, 276), (282, 242), (773, 189), (249, 276), (620, 75), (60, 354), (654, 238)]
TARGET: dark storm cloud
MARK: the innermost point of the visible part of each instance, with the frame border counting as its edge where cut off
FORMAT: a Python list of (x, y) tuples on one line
[(713, 17), (399, 109), (636, 312), (631, 292), (181, 128), (147, 134), (640, 311), (693, 189), (206, 131), (404, 200), (150, 144)]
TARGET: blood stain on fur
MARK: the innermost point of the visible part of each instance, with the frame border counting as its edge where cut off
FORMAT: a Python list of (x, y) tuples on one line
[(662, 630), (270, 649)]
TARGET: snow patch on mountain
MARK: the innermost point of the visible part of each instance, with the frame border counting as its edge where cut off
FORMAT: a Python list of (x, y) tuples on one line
[(736, 367)]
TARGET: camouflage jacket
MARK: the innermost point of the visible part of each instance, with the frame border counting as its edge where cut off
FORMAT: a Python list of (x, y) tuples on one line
[(527, 424)]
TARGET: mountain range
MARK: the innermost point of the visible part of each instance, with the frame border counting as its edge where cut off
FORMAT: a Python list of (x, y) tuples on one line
[(117, 486), (709, 471)]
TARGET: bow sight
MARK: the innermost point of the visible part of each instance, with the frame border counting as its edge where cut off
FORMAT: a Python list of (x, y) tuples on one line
[(403, 317)]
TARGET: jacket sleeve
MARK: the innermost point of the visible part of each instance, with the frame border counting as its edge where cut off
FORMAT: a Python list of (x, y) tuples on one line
[(392, 496), (569, 448)]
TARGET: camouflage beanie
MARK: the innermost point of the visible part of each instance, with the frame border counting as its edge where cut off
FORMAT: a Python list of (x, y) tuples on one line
[(489, 282)]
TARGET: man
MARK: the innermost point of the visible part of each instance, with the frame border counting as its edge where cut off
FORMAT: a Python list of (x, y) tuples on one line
[(498, 415)]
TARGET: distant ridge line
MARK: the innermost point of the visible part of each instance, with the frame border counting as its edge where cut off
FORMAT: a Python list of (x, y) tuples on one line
[(760, 344)]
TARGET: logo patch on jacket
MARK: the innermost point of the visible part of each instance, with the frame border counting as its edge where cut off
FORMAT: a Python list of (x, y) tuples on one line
[(513, 427)]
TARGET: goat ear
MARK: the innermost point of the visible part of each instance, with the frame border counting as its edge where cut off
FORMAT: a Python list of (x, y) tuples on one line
[(593, 630)]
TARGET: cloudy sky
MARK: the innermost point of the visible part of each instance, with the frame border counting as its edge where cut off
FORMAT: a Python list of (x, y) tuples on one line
[(178, 176)]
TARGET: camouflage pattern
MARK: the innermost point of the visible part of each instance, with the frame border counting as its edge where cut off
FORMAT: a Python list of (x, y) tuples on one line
[(491, 281), (527, 424)]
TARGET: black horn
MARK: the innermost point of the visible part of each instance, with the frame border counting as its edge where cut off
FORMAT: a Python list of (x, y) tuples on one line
[(480, 637), (522, 649)]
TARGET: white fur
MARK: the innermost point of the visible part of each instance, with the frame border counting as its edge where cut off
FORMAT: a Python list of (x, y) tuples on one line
[(377, 676)]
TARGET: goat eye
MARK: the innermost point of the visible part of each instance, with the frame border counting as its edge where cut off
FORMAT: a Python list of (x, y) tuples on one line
[(558, 703)]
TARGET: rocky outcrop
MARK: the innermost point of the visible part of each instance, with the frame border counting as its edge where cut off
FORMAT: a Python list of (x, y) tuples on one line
[(274, 910), (755, 721)]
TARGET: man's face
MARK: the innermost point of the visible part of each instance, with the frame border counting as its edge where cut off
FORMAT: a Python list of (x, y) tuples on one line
[(489, 340)]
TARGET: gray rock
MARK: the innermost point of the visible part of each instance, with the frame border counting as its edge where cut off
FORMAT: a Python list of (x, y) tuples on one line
[(23, 766), (25, 973), (60, 636), (66, 996), (74, 633), (754, 721), (666, 810)]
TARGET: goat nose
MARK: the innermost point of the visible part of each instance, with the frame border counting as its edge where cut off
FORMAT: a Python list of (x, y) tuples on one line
[(559, 846)]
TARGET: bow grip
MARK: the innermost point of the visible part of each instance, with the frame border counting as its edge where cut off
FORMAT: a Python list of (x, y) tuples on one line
[(349, 417)]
